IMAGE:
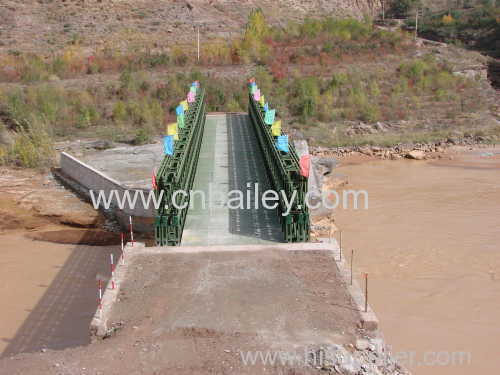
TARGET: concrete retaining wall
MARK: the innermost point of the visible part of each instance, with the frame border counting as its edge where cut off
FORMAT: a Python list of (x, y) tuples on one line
[(89, 178), (100, 326)]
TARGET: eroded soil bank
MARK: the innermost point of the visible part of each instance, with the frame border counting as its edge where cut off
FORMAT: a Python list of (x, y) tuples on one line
[(429, 242), (52, 251)]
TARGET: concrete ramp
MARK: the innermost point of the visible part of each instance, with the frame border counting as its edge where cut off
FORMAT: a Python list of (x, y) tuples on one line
[(214, 302)]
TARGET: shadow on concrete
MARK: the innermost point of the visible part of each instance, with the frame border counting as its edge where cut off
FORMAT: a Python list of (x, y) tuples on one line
[(62, 317), (246, 165)]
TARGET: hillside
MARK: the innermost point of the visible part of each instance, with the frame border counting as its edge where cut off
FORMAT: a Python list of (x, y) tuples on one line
[(474, 28), (337, 82), (45, 25)]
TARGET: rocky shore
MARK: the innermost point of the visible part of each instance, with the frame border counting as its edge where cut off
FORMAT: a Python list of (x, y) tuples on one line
[(415, 151)]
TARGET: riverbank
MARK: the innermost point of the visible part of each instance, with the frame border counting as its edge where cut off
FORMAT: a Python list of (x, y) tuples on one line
[(52, 249), (417, 151)]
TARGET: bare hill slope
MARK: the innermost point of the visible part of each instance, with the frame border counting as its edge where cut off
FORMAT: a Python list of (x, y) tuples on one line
[(45, 25)]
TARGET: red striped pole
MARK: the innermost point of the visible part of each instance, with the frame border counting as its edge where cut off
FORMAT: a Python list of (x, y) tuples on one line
[(112, 272), (100, 296), (123, 249), (131, 230)]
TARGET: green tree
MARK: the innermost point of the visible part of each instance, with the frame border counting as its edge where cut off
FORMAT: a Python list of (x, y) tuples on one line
[(255, 31), (401, 8)]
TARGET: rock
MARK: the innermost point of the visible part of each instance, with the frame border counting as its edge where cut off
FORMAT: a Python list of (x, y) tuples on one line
[(377, 346), (362, 344), (100, 145), (366, 151), (351, 367), (416, 155), (6, 137), (380, 126)]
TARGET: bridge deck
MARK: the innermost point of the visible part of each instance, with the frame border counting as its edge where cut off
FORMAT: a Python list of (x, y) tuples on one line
[(229, 159)]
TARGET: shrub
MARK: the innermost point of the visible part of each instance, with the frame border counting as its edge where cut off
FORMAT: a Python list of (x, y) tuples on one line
[(311, 27), (161, 59), (325, 107), (444, 80), (369, 112), (33, 147), (34, 69), (265, 80), (414, 70), (119, 112), (143, 135), (233, 105), (88, 116), (447, 19), (338, 80), (179, 57), (306, 95)]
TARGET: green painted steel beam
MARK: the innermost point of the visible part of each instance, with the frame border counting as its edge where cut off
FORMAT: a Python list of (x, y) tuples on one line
[(177, 172), (283, 170)]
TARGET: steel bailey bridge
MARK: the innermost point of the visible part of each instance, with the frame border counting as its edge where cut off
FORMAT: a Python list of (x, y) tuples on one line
[(222, 152)]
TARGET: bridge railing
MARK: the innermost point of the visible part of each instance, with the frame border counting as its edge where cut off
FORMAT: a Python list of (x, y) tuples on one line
[(284, 173), (177, 173)]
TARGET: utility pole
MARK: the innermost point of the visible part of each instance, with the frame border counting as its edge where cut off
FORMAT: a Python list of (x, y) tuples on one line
[(383, 11), (198, 43), (416, 24)]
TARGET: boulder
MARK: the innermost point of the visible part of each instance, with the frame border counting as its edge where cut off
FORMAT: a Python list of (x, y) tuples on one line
[(6, 138), (366, 151), (416, 155), (362, 344)]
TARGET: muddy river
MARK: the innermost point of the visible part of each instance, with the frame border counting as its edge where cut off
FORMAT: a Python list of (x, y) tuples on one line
[(430, 242)]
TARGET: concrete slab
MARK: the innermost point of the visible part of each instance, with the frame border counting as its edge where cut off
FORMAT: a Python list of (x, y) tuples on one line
[(131, 166)]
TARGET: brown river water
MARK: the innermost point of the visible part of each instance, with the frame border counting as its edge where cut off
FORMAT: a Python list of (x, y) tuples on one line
[(430, 243)]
